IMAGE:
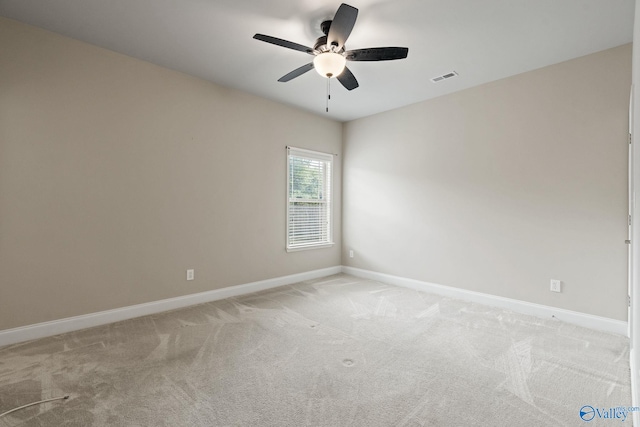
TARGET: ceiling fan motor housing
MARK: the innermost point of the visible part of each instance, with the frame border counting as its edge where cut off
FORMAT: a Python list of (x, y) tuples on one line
[(321, 44)]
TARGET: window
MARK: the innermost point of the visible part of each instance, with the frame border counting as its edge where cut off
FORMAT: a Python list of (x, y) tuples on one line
[(309, 179)]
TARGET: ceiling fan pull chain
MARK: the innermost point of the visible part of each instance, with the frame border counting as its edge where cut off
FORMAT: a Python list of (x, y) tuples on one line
[(328, 93)]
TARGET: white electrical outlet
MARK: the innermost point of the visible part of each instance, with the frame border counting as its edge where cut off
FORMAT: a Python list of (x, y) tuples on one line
[(351, 253), (191, 274), (556, 285)]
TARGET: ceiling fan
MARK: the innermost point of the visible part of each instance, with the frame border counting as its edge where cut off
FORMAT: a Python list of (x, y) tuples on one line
[(329, 50)]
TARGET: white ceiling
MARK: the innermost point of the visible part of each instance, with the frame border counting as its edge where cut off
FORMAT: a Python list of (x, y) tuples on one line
[(483, 40)]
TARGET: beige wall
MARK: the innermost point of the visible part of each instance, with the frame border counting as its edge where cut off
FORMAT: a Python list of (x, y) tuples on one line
[(500, 188), (117, 175)]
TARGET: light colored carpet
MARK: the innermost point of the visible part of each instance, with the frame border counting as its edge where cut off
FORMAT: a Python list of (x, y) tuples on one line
[(338, 351)]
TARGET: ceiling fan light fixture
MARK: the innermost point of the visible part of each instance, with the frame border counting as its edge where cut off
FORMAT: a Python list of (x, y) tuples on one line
[(329, 64)]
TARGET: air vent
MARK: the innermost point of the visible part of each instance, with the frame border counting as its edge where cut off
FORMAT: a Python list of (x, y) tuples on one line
[(446, 76)]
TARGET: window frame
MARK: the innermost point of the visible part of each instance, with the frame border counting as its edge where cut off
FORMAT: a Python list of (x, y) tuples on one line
[(328, 175)]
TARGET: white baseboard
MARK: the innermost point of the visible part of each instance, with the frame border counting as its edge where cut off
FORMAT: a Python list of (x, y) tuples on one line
[(543, 311), (55, 327), (69, 324)]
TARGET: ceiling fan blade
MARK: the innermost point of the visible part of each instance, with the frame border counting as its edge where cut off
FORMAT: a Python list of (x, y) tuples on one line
[(341, 26), (296, 73), (347, 79), (283, 43), (377, 54)]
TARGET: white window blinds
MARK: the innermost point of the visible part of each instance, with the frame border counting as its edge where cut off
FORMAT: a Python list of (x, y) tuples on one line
[(309, 180)]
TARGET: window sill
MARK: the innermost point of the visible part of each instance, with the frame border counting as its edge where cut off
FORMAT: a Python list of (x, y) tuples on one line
[(304, 248)]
